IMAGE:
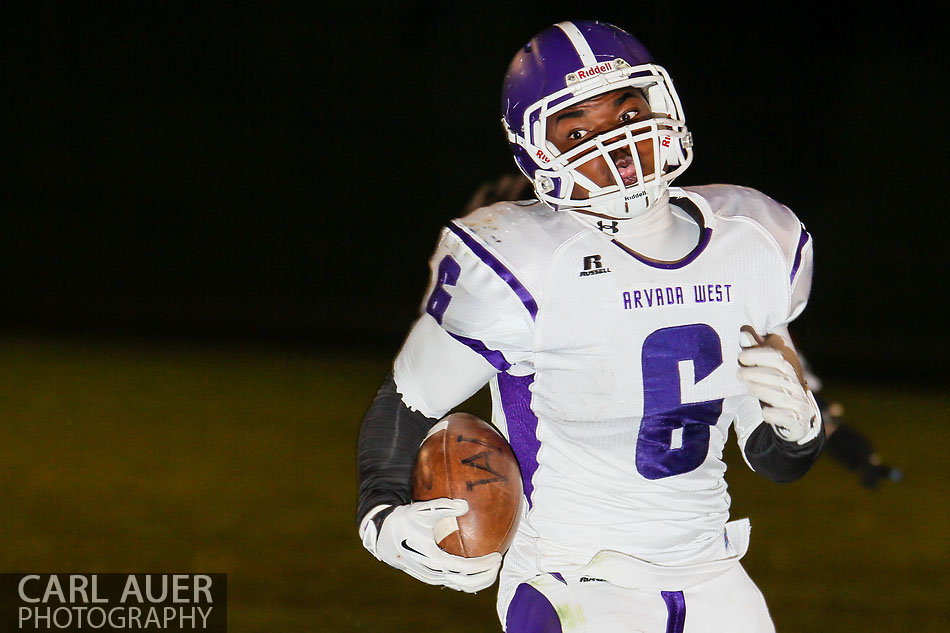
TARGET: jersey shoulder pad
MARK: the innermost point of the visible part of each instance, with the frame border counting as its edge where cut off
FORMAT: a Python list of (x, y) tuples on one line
[(483, 291), (780, 227), (522, 235), (773, 218)]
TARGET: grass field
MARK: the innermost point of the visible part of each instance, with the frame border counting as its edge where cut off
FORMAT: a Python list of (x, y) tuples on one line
[(146, 458)]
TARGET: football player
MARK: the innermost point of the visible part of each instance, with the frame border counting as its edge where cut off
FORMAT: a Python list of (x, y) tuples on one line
[(624, 326)]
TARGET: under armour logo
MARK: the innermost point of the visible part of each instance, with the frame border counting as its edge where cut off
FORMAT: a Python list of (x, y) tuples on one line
[(612, 227), (592, 261)]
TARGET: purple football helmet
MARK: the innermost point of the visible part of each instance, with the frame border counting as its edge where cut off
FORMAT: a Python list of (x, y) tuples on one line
[(571, 62)]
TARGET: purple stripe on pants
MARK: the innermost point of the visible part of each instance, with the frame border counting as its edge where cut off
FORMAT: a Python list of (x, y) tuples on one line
[(530, 612), (676, 606)]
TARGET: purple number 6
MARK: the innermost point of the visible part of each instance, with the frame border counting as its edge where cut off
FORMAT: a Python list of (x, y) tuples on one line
[(661, 450), (447, 275)]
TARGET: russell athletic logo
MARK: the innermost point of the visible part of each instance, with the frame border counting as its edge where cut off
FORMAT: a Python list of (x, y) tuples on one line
[(593, 266)]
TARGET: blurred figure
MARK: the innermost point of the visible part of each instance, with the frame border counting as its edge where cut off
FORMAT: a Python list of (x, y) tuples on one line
[(845, 444), (854, 450)]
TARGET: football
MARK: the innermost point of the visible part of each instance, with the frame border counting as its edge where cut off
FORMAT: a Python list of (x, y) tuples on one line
[(464, 457)]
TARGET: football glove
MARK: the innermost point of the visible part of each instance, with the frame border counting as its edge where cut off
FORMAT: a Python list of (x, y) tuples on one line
[(771, 371), (406, 541)]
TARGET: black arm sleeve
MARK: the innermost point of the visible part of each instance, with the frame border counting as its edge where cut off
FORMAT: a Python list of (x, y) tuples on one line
[(778, 460), (389, 441)]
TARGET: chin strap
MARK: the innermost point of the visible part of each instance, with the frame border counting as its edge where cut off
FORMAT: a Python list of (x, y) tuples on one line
[(637, 203), (654, 220)]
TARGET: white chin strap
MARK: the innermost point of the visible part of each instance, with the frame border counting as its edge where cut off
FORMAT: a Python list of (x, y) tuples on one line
[(647, 221), (629, 202), (625, 204)]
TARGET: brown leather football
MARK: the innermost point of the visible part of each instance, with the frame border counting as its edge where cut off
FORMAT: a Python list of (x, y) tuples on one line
[(464, 457)]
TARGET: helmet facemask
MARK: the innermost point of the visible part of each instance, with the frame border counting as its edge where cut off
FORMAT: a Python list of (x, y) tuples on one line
[(557, 180)]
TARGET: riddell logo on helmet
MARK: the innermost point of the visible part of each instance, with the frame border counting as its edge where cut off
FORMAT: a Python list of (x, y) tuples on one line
[(543, 156), (594, 70)]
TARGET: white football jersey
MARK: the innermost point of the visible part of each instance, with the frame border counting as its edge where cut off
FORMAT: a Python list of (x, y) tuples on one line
[(613, 376)]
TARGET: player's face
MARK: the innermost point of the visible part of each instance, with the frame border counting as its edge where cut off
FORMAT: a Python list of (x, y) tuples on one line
[(579, 123)]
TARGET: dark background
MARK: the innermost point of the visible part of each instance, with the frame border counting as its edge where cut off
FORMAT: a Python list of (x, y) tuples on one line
[(280, 174)]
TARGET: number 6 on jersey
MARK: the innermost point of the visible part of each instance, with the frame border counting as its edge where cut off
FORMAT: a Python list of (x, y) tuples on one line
[(664, 414)]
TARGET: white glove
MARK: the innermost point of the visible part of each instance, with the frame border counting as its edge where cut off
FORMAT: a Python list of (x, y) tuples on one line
[(788, 405), (407, 542)]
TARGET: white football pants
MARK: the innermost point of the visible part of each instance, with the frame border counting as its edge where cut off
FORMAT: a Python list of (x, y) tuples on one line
[(547, 603)]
